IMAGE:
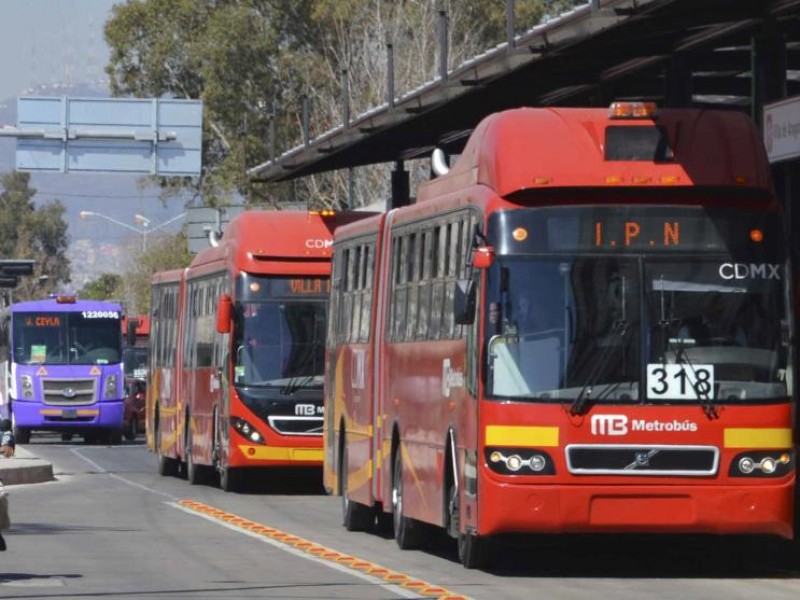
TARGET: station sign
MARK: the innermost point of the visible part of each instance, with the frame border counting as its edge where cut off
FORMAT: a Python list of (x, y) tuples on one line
[(781, 129)]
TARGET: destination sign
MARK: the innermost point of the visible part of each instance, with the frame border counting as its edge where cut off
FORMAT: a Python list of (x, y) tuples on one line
[(635, 229), (259, 287), (43, 320)]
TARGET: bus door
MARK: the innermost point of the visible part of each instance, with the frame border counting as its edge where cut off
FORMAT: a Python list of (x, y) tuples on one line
[(381, 453)]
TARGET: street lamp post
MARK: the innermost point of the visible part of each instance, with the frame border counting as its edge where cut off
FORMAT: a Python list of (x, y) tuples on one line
[(146, 229), (144, 221)]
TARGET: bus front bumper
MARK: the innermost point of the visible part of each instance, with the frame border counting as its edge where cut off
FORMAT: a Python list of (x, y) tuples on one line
[(691, 509), (32, 415)]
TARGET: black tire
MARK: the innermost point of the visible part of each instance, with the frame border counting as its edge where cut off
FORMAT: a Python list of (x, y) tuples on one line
[(355, 516), (194, 472), (384, 524), (472, 551), (22, 435), (407, 532), (114, 436), (229, 479), (167, 466), (453, 525), (66, 437)]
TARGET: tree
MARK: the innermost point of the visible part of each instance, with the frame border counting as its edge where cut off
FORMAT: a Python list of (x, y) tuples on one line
[(255, 63), (221, 52), (164, 252), (31, 232), (106, 287), (132, 288)]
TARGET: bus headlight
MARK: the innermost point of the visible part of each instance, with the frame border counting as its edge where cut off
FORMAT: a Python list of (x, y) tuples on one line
[(519, 461), (747, 465), (768, 465), (762, 463), (27, 386), (247, 430), (111, 387), (514, 462)]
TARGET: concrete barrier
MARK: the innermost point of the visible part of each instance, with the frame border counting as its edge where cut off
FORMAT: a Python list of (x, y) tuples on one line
[(25, 467)]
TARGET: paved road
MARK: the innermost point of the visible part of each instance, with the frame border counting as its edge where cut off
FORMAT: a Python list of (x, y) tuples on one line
[(110, 526)]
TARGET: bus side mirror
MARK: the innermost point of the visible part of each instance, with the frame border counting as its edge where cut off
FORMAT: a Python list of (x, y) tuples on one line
[(224, 313), (464, 302)]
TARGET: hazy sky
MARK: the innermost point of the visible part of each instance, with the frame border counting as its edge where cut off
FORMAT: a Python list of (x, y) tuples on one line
[(61, 41), (51, 41)]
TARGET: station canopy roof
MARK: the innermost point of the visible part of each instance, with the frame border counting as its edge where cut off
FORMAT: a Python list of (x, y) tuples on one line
[(674, 52)]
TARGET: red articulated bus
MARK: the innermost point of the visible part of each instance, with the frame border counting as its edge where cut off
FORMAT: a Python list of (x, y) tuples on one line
[(583, 326), (248, 361), (163, 406)]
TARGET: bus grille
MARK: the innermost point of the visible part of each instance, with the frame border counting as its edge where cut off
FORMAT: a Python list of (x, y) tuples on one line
[(296, 425), (613, 459), (68, 392)]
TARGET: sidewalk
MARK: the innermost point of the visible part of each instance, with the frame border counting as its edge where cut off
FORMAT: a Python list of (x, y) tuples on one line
[(24, 467)]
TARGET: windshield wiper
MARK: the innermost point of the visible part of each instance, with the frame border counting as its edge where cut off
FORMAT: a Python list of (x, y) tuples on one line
[(678, 346), (706, 400), (581, 403), (298, 381)]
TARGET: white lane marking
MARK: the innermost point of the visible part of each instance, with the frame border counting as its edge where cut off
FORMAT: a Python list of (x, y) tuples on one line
[(173, 502), (100, 469), (374, 580)]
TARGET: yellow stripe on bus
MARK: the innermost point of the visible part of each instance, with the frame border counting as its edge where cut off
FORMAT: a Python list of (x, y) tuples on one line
[(81, 412), (275, 453), (522, 436), (762, 437)]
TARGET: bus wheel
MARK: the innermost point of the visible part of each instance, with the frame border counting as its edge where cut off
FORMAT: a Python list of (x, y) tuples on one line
[(166, 466), (472, 551), (407, 532), (228, 479), (22, 435), (114, 436), (355, 516), (194, 473)]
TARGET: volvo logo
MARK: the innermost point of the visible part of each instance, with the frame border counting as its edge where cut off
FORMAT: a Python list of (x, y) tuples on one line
[(69, 392), (641, 458)]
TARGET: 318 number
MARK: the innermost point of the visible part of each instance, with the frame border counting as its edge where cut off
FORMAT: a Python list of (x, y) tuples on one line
[(680, 382)]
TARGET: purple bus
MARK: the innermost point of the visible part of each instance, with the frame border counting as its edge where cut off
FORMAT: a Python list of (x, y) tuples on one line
[(63, 368)]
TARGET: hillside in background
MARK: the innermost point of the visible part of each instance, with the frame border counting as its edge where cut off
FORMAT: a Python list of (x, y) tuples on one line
[(97, 245)]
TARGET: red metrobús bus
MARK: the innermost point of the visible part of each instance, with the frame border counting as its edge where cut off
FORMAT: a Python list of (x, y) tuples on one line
[(163, 401), (243, 334), (582, 327)]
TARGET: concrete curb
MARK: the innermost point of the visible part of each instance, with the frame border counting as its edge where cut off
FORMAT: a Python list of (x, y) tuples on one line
[(24, 467)]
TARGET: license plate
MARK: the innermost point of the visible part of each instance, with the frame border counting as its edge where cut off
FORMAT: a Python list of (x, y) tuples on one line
[(69, 413)]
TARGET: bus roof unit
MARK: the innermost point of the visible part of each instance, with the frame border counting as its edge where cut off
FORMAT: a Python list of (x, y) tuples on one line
[(546, 148), (260, 243)]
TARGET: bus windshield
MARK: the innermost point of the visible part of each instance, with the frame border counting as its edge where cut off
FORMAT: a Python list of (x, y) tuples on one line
[(636, 328), (135, 359), (67, 338), (280, 344)]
